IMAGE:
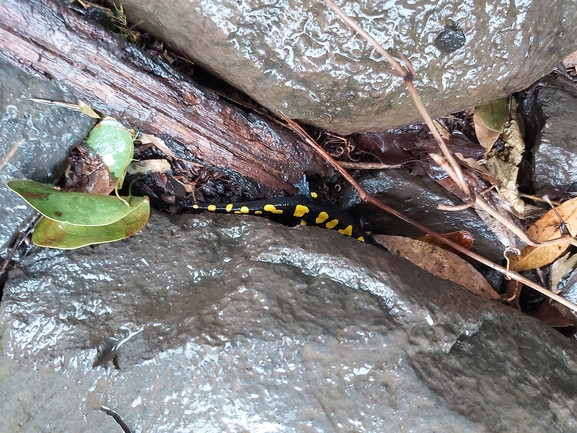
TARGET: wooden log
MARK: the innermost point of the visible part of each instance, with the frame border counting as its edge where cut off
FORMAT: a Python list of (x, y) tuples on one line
[(114, 77)]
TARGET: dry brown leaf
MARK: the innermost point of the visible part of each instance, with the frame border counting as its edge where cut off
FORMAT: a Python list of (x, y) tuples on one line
[(554, 315), (461, 237), (87, 109), (159, 143), (537, 257), (148, 166), (505, 166), (547, 227), (544, 229), (485, 136), (439, 262), (571, 60), (561, 269)]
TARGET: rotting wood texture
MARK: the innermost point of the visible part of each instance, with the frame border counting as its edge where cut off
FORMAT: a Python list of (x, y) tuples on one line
[(53, 42)]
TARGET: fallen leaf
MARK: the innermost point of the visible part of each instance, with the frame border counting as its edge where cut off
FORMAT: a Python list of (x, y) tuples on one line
[(148, 166), (53, 234), (554, 315), (486, 137), (461, 237), (537, 257), (439, 262), (114, 145), (505, 165), (158, 143), (87, 109), (547, 227), (544, 229), (493, 115), (75, 208), (560, 269)]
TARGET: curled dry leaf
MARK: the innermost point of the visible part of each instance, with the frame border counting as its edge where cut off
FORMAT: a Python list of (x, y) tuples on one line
[(461, 237), (148, 166), (505, 165), (544, 229), (489, 120), (561, 269), (159, 143), (493, 115), (87, 109), (439, 262)]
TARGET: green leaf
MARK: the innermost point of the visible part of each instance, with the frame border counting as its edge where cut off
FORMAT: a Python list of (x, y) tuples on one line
[(76, 208), (114, 145), (53, 234), (494, 114)]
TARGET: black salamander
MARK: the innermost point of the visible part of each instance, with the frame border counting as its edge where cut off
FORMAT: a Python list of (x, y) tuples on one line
[(303, 209)]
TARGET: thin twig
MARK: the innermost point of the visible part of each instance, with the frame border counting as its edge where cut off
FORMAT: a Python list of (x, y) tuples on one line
[(10, 153), (366, 198), (407, 73), (368, 165)]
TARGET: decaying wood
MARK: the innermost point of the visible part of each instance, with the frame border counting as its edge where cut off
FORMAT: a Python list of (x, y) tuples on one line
[(53, 42)]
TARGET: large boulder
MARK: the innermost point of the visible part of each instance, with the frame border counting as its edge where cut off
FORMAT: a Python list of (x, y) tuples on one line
[(225, 323), (299, 57)]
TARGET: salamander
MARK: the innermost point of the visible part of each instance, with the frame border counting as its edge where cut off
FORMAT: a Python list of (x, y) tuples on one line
[(303, 209)]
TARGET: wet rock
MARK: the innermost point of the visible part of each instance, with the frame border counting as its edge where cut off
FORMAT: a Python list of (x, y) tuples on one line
[(450, 39), (418, 197), (552, 106), (300, 58), (47, 133), (239, 324)]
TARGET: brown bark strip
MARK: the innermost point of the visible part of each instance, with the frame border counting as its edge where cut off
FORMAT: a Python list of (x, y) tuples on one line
[(51, 41)]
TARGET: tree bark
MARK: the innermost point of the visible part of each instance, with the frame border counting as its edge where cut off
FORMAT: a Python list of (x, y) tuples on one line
[(116, 78)]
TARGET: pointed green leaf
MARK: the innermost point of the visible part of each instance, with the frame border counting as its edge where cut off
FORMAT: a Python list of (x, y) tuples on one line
[(75, 208), (494, 114), (114, 145), (53, 234)]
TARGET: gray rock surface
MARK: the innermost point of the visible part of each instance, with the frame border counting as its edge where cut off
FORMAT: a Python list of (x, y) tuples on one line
[(300, 58), (555, 148), (47, 131), (417, 197), (246, 325)]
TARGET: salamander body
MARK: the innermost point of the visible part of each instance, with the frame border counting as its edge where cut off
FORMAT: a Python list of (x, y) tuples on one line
[(296, 210)]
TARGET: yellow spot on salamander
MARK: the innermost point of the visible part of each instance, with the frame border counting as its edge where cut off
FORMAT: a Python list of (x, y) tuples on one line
[(332, 224), (195, 206), (258, 212), (361, 239), (314, 194), (300, 210), (211, 207), (244, 209), (270, 208), (323, 216), (229, 207), (347, 231), (237, 212), (303, 223)]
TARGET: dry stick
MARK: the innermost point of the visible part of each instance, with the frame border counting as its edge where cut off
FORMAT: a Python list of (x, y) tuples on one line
[(517, 231), (10, 154), (478, 200), (407, 74), (368, 165), (366, 198)]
